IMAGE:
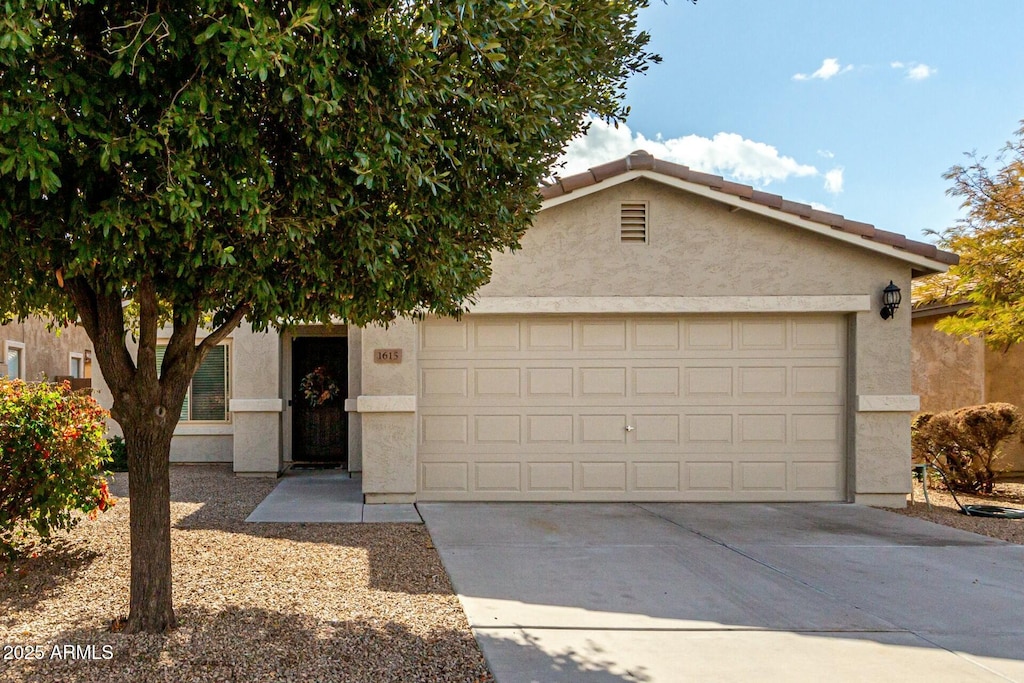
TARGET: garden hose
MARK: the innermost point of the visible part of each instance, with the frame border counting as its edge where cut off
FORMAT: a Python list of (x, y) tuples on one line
[(997, 511)]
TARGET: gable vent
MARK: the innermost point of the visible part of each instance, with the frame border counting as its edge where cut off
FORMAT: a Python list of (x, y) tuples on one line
[(633, 222)]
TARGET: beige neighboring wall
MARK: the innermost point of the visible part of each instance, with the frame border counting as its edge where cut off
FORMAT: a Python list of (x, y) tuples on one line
[(950, 373), (46, 353)]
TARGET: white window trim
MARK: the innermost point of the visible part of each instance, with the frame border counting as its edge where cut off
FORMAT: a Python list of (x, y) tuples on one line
[(16, 345), (72, 356), (227, 390)]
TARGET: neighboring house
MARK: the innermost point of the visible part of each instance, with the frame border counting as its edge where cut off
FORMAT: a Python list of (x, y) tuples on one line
[(34, 352), (662, 335), (950, 372)]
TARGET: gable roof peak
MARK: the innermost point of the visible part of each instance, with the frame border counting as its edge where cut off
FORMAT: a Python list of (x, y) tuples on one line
[(734, 193), (640, 160)]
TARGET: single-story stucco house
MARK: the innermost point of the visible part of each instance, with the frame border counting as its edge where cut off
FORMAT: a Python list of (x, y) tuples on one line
[(950, 372), (662, 335)]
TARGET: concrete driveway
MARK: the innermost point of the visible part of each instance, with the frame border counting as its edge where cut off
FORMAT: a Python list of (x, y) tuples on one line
[(730, 592)]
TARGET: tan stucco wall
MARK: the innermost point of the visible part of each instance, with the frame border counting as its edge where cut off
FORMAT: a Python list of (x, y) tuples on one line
[(948, 372), (388, 436), (256, 382), (355, 387), (697, 247), (47, 352), (1004, 381)]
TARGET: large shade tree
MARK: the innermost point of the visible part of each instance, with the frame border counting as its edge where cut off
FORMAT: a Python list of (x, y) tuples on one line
[(990, 241), (218, 161)]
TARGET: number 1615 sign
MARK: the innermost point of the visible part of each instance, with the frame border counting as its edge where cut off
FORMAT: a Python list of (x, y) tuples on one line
[(387, 355)]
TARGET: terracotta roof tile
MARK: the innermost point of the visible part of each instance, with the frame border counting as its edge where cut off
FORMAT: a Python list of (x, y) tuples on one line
[(578, 181), (643, 161), (612, 168), (768, 199), (797, 208), (832, 219), (891, 238), (857, 228), (640, 161)]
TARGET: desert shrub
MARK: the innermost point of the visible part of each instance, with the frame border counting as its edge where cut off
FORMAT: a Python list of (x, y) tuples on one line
[(965, 443), (52, 457), (118, 454)]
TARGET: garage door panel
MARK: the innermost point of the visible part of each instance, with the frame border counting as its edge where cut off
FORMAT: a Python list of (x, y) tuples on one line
[(710, 335), (501, 476), (647, 408), (656, 476), (603, 335), (602, 382), (655, 335), (709, 475)]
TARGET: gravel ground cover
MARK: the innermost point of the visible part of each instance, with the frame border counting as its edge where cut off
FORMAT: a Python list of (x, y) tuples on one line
[(255, 602), (945, 511)]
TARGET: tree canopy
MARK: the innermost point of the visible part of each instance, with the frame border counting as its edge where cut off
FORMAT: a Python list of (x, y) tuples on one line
[(305, 160), (990, 242), (276, 162)]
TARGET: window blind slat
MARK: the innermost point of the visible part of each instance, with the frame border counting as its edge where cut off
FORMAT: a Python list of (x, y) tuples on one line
[(207, 397)]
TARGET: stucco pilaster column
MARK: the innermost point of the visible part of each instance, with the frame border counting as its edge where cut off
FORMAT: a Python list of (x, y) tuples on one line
[(387, 412)]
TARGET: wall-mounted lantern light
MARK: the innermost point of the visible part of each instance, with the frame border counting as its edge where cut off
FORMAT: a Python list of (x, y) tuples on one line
[(87, 356), (890, 300)]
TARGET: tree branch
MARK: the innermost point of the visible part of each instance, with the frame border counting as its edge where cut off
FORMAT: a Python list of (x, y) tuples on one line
[(149, 313), (103, 320), (218, 335)]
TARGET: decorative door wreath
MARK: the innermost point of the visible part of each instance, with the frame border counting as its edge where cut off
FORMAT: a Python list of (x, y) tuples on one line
[(319, 387)]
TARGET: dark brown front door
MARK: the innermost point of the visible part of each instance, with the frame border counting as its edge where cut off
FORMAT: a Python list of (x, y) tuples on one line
[(319, 423)]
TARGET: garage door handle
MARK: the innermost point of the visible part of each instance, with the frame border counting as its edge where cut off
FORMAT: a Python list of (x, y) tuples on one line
[(630, 428)]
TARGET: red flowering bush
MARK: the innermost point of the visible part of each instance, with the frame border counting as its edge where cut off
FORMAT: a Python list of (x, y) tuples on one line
[(52, 457)]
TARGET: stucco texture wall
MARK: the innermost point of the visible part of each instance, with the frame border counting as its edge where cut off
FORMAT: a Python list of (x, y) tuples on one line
[(696, 247), (950, 373), (701, 248), (947, 372), (46, 353)]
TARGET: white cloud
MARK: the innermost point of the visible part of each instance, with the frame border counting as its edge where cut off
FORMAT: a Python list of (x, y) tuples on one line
[(829, 67), (914, 70), (920, 72), (826, 153), (727, 154), (834, 180)]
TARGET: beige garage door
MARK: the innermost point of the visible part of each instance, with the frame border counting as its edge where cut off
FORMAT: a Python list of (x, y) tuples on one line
[(587, 408)]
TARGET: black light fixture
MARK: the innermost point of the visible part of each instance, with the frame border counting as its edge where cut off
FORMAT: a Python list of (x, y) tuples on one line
[(890, 300)]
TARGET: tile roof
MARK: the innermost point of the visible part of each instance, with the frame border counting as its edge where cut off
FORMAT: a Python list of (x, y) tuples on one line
[(643, 161)]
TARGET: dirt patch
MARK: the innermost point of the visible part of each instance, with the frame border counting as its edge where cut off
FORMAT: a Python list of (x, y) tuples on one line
[(255, 602), (944, 510)]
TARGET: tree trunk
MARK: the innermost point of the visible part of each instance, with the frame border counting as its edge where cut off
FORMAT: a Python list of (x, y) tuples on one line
[(147, 402), (151, 608)]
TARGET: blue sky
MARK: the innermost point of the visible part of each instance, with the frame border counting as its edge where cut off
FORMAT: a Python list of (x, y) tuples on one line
[(856, 107)]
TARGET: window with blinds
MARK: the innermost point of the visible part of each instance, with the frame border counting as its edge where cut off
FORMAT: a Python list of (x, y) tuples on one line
[(207, 397), (633, 222)]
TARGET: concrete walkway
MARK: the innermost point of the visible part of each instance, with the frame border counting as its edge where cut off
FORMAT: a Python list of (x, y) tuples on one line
[(703, 592), (327, 496)]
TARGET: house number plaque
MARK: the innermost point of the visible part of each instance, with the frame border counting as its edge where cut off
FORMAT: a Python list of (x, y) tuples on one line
[(387, 355)]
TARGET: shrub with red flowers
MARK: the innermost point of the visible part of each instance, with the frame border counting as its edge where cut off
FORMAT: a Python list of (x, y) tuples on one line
[(52, 458)]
